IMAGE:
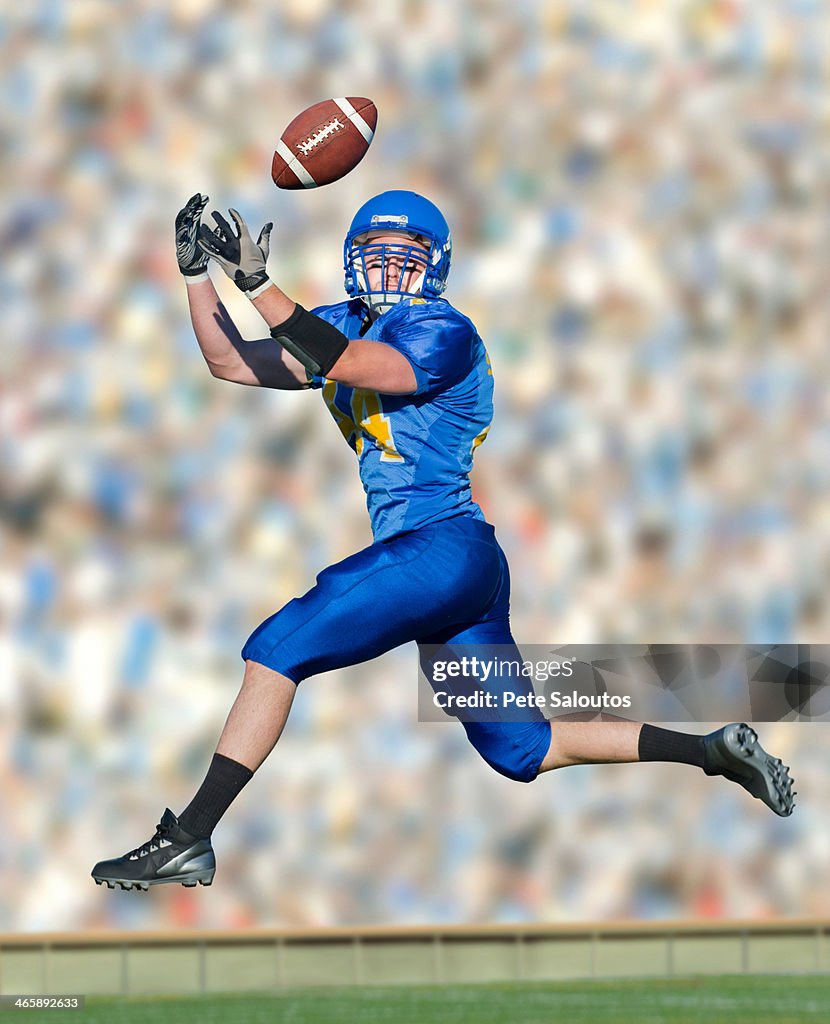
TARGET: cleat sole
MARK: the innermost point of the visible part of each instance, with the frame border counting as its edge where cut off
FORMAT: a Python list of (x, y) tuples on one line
[(735, 753), (188, 881)]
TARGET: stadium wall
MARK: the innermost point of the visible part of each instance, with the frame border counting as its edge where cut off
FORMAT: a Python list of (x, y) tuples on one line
[(167, 962)]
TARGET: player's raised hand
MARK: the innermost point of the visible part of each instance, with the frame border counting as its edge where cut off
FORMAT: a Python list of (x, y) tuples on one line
[(192, 260), (242, 259)]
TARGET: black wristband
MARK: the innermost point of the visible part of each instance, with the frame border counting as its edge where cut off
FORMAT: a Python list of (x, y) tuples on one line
[(250, 282), (311, 340)]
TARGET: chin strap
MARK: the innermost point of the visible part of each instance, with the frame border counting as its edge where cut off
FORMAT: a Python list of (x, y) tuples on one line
[(382, 302)]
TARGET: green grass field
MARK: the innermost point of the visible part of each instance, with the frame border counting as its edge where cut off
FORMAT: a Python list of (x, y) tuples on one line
[(784, 999)]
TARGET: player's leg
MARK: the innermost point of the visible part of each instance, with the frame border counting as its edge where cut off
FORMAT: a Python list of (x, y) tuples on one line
[(514, 743), (591, 743), (608, 742), (732, 751), (523, 744), (180, 850), (526, 745), (619, 743), (373, 601), (253, 726), (258, 715)]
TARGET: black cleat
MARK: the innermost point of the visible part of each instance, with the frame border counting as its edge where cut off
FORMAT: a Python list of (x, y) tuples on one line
[(735, 753), (172, 855)]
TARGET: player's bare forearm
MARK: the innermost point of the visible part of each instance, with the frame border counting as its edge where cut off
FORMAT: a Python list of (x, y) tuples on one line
[(274, 306), (228, 355), (215, 332)]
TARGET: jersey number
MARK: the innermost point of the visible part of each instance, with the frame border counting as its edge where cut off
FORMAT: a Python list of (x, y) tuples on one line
[(367, 418)]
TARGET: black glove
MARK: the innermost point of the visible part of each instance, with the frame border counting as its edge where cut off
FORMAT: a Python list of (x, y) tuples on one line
[(192, 260)]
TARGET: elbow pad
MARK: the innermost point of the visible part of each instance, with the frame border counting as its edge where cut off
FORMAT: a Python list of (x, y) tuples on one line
[(311, 340)]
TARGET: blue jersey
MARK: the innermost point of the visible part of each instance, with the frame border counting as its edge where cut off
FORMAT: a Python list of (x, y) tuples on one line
[(415, 451)]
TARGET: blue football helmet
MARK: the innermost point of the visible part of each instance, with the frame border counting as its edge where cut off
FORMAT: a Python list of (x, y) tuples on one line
[(421, 226)]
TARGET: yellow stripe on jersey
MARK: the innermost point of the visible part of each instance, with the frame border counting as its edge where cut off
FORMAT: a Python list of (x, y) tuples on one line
[(367, 420), (348, 427), (368, 412), (480, 438)]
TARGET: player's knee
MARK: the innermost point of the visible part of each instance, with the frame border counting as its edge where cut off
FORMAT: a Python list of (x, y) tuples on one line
[(513, 749)]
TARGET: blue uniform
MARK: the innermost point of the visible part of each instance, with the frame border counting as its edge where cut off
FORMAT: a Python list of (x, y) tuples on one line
[(435, 572), (415, 452)]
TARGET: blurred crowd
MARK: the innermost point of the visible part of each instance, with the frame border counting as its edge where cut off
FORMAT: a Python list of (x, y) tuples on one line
[(638, 195)]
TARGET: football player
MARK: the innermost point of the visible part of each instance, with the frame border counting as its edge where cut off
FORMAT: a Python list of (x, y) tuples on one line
[(407, 380)]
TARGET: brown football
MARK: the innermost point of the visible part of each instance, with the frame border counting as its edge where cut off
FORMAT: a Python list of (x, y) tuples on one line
[(324, 142)]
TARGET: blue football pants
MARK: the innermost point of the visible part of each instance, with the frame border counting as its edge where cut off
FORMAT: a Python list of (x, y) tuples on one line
[(447, 583)]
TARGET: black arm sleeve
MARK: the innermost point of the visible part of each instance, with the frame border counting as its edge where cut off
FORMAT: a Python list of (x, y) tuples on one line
[(311, 340)]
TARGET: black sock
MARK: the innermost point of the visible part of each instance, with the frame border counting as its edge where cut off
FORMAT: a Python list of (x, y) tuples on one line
[(224, 780), (664, 745)]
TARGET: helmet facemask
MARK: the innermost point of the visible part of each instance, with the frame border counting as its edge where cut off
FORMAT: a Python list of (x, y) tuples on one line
[(384, 272)]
